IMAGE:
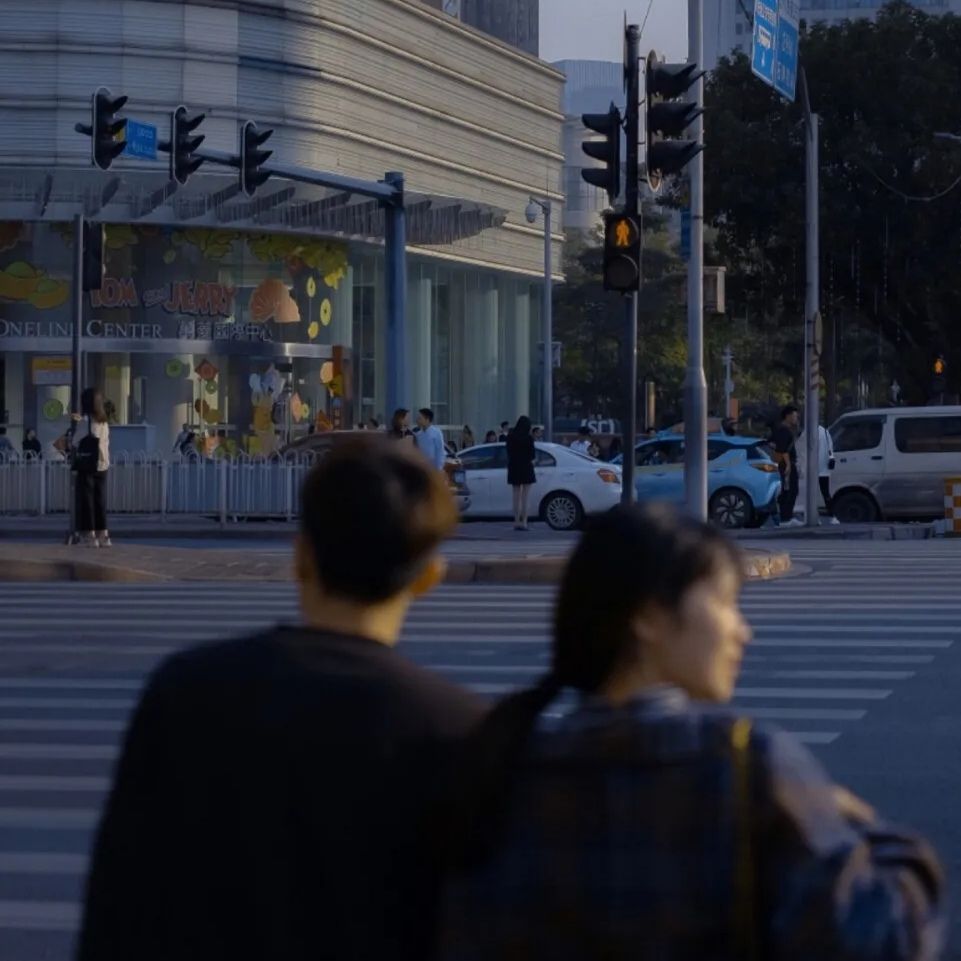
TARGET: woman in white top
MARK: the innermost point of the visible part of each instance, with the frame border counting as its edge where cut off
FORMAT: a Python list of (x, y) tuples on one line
[(825, 466), (92, 485)]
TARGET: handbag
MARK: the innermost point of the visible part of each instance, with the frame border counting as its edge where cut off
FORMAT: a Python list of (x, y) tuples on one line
[(86, 457), (745, 875)]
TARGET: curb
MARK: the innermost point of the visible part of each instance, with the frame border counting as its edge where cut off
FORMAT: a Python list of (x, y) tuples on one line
[(759, 565)]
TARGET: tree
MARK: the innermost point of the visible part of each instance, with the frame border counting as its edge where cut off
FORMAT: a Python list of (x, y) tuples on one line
[(890, 201)]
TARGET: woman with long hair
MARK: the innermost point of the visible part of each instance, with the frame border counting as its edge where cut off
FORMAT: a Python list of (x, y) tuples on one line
[(92, 482), (520, 468), (645, 821)]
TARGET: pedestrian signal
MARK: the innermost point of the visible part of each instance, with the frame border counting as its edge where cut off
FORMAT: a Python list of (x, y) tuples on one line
[(939, 366), (622, 253)]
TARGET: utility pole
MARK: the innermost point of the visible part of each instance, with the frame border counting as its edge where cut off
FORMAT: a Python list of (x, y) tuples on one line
[(728, 380), (695, 383), (812, 309), (77, 333), (632, 56)]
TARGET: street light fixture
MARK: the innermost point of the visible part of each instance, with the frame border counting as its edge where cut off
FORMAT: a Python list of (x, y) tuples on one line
[(948, 136), (547, 321)]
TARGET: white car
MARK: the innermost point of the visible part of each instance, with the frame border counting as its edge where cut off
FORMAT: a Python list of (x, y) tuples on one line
[(569, 485)]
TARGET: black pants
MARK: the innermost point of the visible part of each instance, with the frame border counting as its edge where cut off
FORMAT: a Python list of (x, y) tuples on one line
[(825, 484), (789, 490), (91, 502)]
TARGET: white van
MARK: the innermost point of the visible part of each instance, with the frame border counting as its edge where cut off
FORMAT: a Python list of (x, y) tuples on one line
[(891, 462)]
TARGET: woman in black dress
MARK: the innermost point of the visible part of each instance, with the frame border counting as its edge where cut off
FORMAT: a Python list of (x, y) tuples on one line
[(520, 468)]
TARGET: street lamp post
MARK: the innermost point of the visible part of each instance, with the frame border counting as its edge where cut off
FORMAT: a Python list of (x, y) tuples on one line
[(547, 319)]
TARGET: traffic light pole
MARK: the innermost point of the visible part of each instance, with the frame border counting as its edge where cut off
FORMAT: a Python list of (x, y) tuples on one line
[(632, 204), (75, 383), (695, 383), (812, 308)]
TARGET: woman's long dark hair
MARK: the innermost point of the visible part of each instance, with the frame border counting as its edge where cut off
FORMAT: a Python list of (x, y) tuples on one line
[(92, 405), (523, 426), (627, 558)]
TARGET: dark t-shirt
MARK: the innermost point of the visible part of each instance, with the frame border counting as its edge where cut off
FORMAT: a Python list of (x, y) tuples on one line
[(275, 799), (784, 442)]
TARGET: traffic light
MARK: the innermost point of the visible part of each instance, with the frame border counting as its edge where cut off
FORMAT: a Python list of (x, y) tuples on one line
[(252, 158), (183, 145), (105, 128), (608, 150), (668, 117), (622, 253), (93, 262)]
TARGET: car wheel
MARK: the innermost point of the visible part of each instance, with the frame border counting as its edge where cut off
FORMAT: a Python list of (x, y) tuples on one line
[(855, 507), (731, 508), (563, 512)]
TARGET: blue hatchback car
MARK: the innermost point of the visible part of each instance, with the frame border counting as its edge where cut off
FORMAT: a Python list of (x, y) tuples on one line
[(743, 480)]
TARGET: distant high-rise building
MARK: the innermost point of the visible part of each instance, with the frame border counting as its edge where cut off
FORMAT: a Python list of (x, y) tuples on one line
[(516, 22), (727, 23), (592, 85)]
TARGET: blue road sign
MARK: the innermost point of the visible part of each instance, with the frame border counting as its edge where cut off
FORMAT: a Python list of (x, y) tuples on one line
[(764, 42), (785, 63), (774, 48), (141, 140)]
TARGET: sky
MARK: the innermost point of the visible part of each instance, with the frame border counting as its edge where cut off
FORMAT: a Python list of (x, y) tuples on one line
[(594, 29)]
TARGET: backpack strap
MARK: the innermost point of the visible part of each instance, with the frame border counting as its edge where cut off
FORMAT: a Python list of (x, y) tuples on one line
[(745, 875)]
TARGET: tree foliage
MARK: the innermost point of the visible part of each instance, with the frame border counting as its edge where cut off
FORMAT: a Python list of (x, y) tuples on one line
[(890, 203)]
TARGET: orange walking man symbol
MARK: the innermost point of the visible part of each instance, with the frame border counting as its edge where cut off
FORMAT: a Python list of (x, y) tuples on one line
[(622, 234)]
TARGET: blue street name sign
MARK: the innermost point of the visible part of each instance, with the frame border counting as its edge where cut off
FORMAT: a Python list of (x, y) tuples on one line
[(774, 47), (141, 140)]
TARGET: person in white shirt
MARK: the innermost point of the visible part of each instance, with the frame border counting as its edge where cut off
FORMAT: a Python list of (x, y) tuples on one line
[(429, 439), (825, 465), (583, 443)]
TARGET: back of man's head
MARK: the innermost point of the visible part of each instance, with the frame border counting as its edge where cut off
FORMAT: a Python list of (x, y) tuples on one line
[(427, 414), (373, 515)]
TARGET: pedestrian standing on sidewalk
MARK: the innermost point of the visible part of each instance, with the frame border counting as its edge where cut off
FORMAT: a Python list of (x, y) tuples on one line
[(429, 439), (784, 442), (92, 462), (467, 438), (275, 798), (31, 443), (398, 426), (520, 468), (825, 466), (505, 430), (583, 443), (647, 821)]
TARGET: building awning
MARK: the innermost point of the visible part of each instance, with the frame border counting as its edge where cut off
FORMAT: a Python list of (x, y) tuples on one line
[(213, 199)]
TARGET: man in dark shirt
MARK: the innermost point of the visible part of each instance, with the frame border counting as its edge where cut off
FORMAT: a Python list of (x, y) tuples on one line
[(785, 453), (276, 795)]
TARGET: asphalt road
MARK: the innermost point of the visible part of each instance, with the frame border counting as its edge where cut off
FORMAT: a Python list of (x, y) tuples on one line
[(858, 654)]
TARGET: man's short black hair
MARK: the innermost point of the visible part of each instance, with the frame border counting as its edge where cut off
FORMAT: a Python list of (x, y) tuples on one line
[(373, 513), (505, 423), (428, 413), (787, 410)]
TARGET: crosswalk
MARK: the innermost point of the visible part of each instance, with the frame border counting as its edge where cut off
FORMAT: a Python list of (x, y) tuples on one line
[(834, 646)]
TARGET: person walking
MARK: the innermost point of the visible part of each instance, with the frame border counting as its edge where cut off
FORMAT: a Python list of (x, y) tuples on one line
[(520, 468), (92, 463), (31, 443), (784, 442), (466, 438), (429, 439), (647, 820), (277, 795), (825, 466)]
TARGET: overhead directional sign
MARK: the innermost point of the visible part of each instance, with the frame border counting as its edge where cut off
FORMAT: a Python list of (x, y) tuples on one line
[(141, 140), (774, 48)]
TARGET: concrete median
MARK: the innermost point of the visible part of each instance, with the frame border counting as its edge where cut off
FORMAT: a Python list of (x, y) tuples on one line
[(142, 564)]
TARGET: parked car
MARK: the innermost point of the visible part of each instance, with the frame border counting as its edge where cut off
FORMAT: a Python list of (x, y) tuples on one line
[(316, 445), (892, 462), (743, 480), (569, 485)]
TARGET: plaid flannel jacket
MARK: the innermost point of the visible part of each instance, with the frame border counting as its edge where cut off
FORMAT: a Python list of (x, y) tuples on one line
[(622, 842)]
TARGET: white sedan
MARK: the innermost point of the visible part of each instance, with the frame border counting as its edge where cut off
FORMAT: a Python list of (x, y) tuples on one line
[(569, 485)]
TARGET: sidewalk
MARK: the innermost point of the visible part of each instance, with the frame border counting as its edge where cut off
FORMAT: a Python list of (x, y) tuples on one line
[(138, 563)]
